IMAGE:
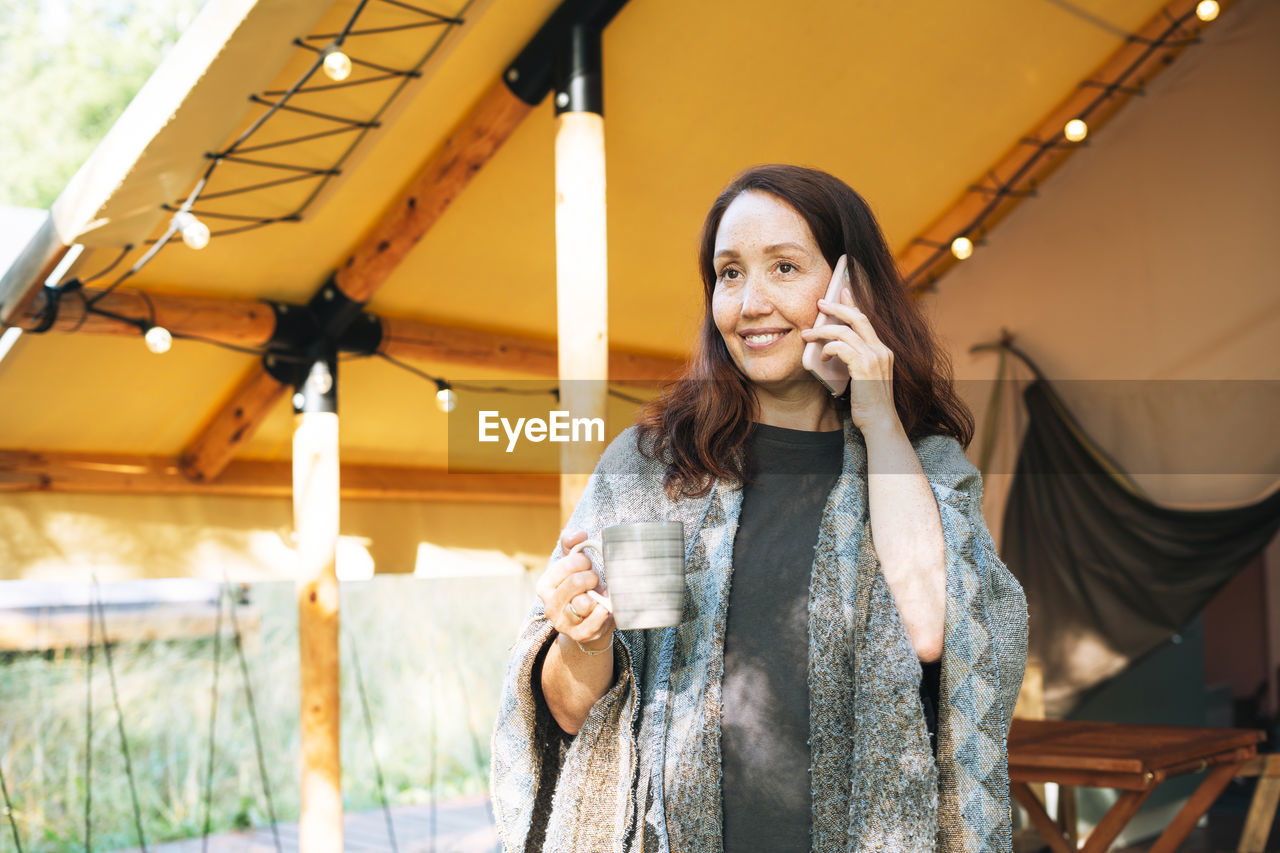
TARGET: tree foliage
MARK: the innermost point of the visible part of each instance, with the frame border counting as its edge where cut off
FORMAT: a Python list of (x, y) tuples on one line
[(68, 68)]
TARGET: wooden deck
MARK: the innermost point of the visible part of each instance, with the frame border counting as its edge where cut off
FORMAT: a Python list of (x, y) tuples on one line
[(463, 825)]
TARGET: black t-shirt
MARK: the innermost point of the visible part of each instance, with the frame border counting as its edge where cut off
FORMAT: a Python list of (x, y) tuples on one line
[(764, 742)]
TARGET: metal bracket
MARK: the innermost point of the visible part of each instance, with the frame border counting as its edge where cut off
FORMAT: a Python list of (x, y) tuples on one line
[(531, 75)]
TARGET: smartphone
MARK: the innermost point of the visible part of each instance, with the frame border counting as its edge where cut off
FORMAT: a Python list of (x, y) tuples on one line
[(832, 373)]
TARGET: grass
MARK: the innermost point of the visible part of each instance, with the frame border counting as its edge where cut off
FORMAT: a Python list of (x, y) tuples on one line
[(432, 654)]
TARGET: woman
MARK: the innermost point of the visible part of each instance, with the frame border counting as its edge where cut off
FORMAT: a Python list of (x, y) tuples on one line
[(785, 711)]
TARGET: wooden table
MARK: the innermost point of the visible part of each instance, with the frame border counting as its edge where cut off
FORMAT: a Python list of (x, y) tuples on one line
[(1134, 759)]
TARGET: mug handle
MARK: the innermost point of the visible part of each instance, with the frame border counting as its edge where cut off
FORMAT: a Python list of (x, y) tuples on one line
[(595, 596)]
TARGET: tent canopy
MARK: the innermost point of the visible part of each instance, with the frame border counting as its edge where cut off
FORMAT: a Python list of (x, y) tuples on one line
[(911, 105)]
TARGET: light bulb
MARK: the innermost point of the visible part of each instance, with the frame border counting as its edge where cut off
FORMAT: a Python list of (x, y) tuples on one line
[(158, 339), (1207, 10), (962, 247), (320, 380), (1075, 130), (194, 232), (446, 399), (337, 65)]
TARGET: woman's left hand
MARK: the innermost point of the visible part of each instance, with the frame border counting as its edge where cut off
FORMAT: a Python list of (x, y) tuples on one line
[(870, 362)]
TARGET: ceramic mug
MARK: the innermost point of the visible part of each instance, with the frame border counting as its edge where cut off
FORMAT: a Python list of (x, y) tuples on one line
[(643, 573)]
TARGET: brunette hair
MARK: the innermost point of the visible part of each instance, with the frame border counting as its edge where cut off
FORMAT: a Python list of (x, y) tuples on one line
[(700, 424)]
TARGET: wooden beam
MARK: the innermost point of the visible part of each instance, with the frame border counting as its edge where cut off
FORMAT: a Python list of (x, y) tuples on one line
[(87, 473), (1023, 168), (465, 151), (534, 356), (250, 322), (232, 424), (241, 322)]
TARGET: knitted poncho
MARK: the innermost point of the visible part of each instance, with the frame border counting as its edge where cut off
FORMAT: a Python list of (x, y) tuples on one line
[(643, 773)]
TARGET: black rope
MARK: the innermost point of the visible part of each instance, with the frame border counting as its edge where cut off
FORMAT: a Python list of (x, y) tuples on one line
[(361, 62), (257, 223), (495, 389), (151, 307), (258, 99), (351, 22), (253, 718), (420, 11), (240, 217), (213, 722), (90, 308), (8, 809), (627, 397), (293, 140), (268, 164), (260, 120), (1111, 88), (368, 730), (156, 246), (232, 347), (88, 734), (395, 28), (345, 84), (109, 267), (115, 698), (416, 72), (255, 226)]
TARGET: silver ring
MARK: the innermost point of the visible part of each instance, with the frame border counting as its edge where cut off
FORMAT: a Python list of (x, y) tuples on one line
[(576, 614)]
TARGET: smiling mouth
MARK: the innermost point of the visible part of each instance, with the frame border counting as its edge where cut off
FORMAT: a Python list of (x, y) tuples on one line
[(762, 340)]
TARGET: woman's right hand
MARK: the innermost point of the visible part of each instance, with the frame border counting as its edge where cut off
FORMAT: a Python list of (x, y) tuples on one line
[(563, 587)]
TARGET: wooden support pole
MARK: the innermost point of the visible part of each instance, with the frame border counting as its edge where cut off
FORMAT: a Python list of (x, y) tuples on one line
[(315, 518), (582, 269), (581, 289)]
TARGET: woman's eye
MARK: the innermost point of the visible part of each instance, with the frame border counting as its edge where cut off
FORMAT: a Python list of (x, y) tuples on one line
[(786, 268), (729, 274)]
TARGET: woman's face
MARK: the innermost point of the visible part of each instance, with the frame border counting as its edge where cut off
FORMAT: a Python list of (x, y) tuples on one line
[(770, 275)]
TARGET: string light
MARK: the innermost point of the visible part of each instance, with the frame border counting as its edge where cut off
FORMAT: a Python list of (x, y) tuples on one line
[(320, 380), (158, 340), (446, 397), (194, 232), (1207, 10), (337, 65), (924, 276)]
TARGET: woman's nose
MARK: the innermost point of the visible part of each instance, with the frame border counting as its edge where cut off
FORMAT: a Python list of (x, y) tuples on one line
[(755, 301)]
